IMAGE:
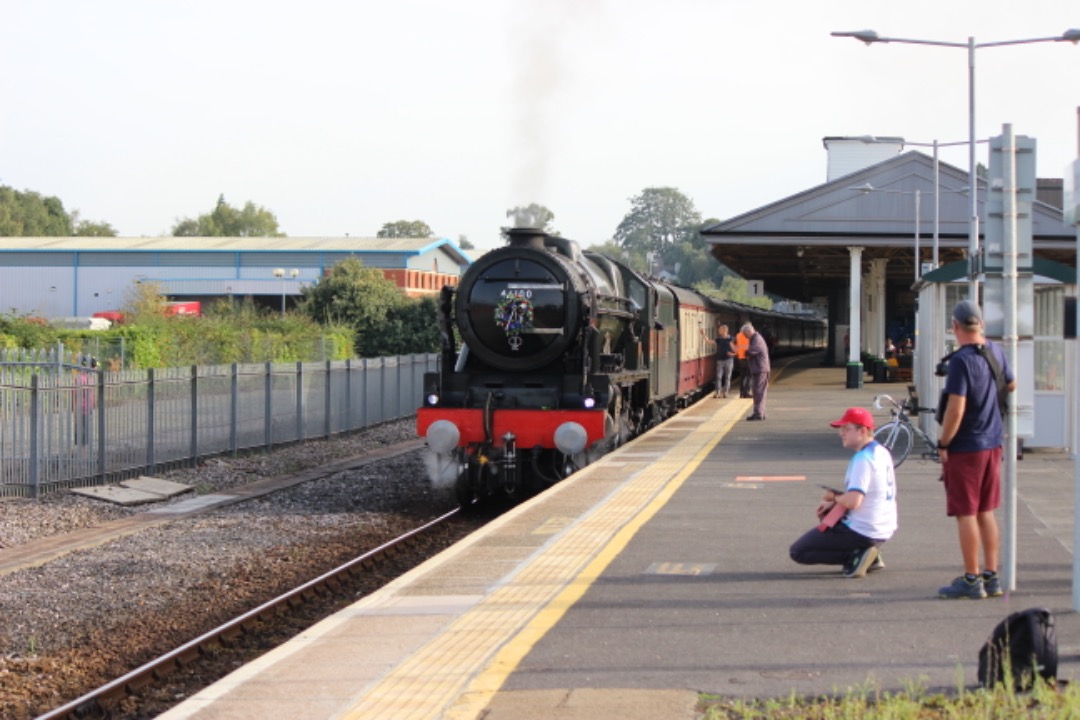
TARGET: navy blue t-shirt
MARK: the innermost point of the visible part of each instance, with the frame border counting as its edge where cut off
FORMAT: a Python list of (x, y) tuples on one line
[(724, 348), (970, 375)]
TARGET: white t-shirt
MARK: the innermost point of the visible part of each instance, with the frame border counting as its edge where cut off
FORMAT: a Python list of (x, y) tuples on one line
[(871, 473)]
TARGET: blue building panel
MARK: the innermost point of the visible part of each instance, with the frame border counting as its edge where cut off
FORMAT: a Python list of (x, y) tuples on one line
[(77, 277)]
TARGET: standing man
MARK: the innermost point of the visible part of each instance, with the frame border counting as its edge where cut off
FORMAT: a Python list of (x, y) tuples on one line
[(868, 501), (742, 344), (725, 360), (970, 446), (757, 360)]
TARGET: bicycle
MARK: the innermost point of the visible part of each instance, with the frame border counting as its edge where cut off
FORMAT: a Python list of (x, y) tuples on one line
[(898, 435)]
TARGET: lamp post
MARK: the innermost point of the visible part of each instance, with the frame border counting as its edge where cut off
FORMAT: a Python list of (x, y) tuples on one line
[(281, 273), (937, 185), (869, 37)]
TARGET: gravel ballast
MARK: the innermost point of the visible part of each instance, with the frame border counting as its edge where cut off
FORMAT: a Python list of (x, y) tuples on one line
[(93, 614)]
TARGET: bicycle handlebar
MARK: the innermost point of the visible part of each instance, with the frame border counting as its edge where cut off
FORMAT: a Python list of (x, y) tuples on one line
[(899, 405)]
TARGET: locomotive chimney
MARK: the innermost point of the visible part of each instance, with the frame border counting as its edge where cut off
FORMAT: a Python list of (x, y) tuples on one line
[(526, 237)]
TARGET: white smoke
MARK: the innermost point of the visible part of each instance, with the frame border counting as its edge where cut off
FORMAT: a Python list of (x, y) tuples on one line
[(442, 470), (544, 36)]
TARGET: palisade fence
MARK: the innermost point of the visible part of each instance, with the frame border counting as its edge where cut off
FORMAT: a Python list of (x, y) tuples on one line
[(64, 424)]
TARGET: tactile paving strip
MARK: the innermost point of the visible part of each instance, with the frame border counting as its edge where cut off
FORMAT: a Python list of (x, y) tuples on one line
[(469, 661)]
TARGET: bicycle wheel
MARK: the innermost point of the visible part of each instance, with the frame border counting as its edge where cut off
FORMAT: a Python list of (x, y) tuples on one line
[(897, 438)]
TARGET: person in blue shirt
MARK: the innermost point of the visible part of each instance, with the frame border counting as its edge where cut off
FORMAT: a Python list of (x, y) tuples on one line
[(868, 504), (725, 360), (970, 443)]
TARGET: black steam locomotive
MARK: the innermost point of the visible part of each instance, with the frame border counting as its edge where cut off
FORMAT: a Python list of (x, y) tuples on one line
[(553, 356)]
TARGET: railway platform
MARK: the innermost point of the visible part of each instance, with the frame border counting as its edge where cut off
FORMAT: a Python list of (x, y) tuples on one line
[(661, 572)]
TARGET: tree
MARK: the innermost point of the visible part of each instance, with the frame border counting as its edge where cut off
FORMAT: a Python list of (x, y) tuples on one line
[(357, 296), (144, 302), (735, 289), (29, 214), (692, 261), (94, 229), (530, 216), (226, 221), (659, 218), (411, 327), (405, 229), (86, 228), (464, 244)]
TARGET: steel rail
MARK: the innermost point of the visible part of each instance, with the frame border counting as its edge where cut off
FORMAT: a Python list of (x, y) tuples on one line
[(159, 667)]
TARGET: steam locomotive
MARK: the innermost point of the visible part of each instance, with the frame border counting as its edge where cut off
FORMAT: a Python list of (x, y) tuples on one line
[(553, 356)]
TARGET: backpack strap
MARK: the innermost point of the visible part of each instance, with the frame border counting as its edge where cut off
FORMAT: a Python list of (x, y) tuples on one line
[(1000, 382)]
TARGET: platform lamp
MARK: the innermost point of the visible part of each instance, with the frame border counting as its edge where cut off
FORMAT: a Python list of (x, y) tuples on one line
[(281, 273), (869, 37)]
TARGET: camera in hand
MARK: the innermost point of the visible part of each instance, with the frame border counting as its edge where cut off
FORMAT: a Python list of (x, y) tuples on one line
[(942, 368)]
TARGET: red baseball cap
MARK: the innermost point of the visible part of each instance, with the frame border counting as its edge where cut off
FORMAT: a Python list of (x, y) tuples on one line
[(855, 416)]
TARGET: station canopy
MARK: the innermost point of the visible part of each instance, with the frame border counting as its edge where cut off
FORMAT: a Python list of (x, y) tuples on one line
[(798, 246)]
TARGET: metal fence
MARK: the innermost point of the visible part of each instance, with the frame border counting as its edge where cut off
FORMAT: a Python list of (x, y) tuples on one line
[(64, 424)]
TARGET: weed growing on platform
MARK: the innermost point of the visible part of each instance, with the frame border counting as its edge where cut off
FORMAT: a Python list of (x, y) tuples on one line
[(1043, 702)]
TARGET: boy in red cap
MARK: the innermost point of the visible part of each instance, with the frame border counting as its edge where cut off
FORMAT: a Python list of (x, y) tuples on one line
[(868, 503)]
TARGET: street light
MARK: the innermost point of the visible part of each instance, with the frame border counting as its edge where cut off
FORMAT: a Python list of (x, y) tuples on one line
[(869, 36), (280, 273), (937, 185)]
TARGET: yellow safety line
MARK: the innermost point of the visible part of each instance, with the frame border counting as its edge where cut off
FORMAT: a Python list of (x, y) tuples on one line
[(428, 682), (483, 688)]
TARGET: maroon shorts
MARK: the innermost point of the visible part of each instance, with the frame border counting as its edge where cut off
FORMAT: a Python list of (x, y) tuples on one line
[(972, 482)]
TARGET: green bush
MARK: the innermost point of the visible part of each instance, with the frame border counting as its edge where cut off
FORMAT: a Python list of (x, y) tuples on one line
[(29, 332), (354, 313)]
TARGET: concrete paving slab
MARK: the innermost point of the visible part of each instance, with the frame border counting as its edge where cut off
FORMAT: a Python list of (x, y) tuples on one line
[(157, 486), (119, 495), (137, 491)]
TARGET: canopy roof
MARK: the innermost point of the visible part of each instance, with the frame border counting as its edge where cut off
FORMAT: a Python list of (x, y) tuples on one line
[(799, 245)]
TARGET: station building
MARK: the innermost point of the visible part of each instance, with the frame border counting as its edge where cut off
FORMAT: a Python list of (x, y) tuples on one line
[(883, 243)]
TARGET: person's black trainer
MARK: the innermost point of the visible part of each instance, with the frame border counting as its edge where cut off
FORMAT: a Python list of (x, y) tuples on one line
[(860, 562), (963, 589), (992, 585)]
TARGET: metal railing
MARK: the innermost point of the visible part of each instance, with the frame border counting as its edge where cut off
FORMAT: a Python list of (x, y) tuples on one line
[(65, 425)]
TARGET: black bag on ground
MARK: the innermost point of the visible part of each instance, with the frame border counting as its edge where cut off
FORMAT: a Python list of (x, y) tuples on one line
[(1023, 645)]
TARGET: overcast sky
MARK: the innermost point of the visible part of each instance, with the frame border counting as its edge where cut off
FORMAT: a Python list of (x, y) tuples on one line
[(341, 115)]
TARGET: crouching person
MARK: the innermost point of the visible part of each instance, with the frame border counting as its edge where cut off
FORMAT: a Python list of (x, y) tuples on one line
[(858, 519)]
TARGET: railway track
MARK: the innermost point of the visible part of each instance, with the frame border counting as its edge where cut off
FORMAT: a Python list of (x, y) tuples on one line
[(104, 701)]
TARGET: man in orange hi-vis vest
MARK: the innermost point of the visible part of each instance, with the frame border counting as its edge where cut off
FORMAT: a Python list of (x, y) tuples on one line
[(742, 344)]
